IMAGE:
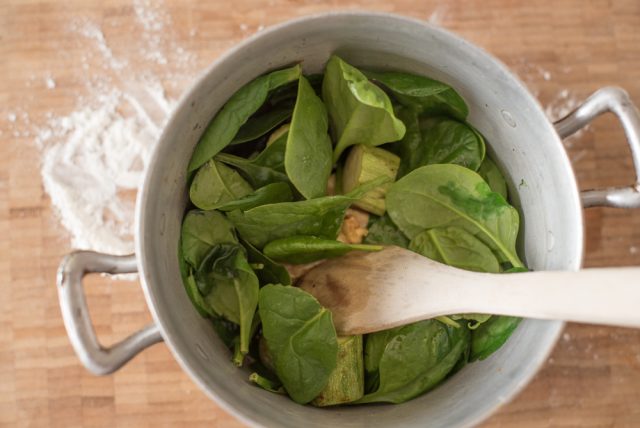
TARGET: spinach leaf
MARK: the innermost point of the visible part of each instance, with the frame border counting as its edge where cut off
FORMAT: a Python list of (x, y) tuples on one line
[(450, 141), (226, 330), (196, 298), (266, 384), (475, 319), (236, 111), (258, 126), (190, 285), (492, 175), (230, 287), (287, 94), (307, 158), (361, 113), (422, 93), (201, 230), (266, 168), (218, 265), (383, 231), (409, 148), (451, 195), (257, 175), (491, 335), (269, 194), (414, 359), (374, 348), (273, 154), (462, 361), (271, 272), (321, 217), (216, 184), (455, 247), (301, 338), (307, 249)]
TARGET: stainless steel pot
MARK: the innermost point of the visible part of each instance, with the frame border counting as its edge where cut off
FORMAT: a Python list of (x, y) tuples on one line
[(525, 144)]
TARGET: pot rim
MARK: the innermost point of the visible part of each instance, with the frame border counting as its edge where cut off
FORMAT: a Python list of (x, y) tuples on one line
[(144, 263)]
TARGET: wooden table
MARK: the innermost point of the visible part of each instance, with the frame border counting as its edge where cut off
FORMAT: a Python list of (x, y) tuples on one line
[(591, 379)]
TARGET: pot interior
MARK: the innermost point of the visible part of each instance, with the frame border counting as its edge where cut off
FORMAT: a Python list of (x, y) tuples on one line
[(519, 137)]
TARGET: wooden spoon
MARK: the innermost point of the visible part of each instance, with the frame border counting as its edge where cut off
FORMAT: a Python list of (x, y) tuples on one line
[(368, 292)]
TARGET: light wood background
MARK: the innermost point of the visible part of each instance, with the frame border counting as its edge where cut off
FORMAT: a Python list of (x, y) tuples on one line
[(592, 379)]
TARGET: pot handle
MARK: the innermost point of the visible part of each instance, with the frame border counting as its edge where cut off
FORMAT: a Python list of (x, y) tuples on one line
[(615, 100), (95, 357)]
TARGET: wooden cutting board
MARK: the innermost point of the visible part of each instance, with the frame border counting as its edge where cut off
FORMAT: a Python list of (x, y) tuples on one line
[(562, 50)]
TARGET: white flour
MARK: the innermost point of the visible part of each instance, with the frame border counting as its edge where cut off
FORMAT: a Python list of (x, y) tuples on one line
[(94, 158), (91, 176)]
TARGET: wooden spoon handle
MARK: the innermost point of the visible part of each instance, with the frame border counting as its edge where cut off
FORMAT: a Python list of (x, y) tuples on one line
[(600, 296)]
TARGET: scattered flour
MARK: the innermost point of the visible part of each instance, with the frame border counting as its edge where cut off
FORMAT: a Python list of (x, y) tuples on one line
[(51, 84), (560, 106), (438, 15), (93, 159), (91, 175), (93, 31), (563, 103)]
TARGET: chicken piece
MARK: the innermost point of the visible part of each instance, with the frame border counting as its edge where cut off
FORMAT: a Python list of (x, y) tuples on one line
[(354, 226)]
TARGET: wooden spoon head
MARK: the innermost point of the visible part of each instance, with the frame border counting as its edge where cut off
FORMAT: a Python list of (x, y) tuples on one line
[(366, 291)]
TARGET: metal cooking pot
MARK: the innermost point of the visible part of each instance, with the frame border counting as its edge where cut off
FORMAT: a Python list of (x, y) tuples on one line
[(524, 143)]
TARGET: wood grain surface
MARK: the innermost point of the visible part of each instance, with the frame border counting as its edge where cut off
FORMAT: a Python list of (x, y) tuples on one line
[(562, 50)]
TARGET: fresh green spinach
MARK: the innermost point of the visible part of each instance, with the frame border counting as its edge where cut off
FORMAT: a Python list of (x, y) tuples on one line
[(455, 247), (361, 113), (491, 335), (190, 285), (427, 96), (260, 125), (271, 272), (450, 141), (451, 195), (269, 194), (412, 359), (230, 288), (266, 384), (491, 174), (236, 111), (307, 158), (227, 331), (409, 148), (201, 230), (307, 249), (301, 338), (215, 184), (381, 230), (267, 167), (321, 217)]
